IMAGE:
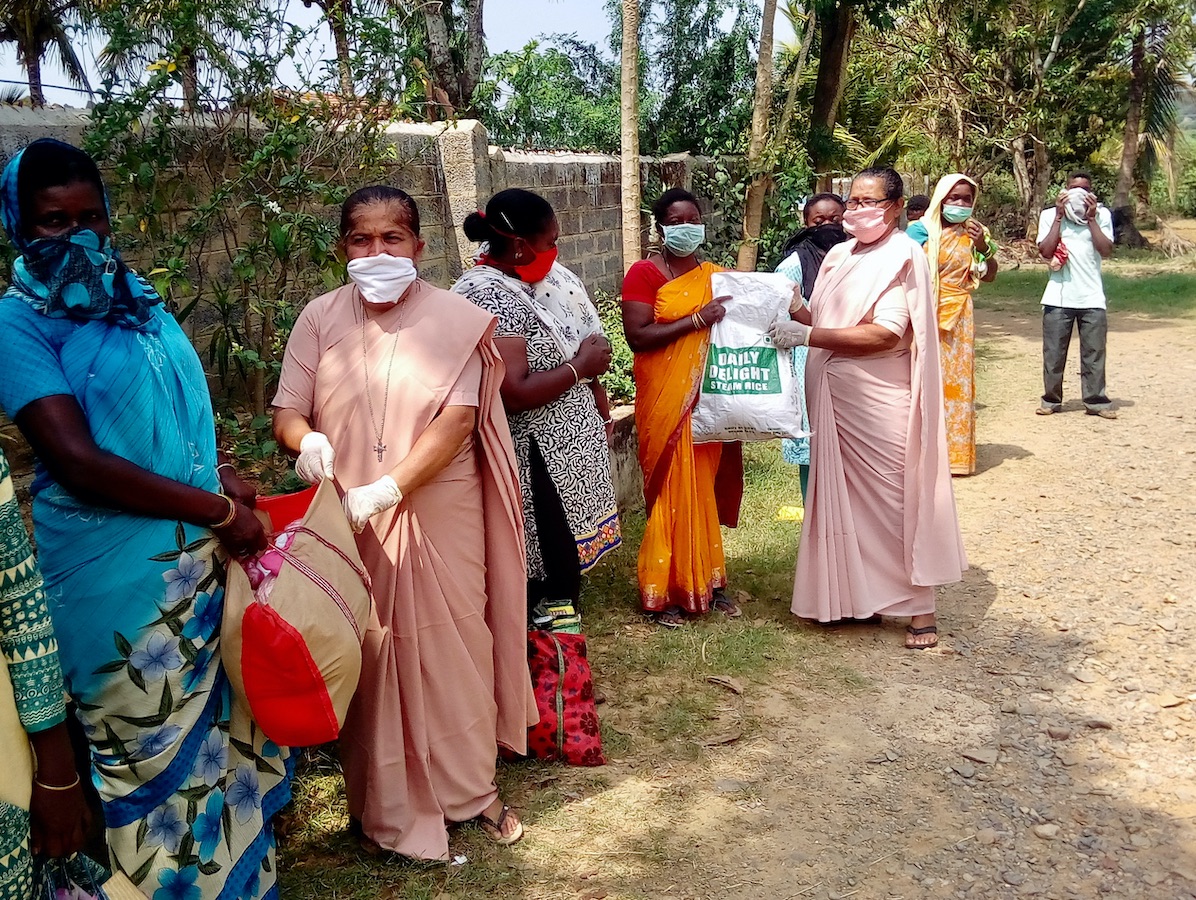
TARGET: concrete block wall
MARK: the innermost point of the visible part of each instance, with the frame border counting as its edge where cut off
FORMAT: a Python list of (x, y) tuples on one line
[(584, 189)]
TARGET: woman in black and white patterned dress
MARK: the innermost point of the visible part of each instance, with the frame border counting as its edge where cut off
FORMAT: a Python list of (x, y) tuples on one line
[(552, 343)]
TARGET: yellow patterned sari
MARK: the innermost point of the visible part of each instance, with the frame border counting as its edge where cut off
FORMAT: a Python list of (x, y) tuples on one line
[(957, 346)]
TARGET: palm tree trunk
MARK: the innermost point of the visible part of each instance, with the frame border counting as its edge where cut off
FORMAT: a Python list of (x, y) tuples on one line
[(190, 67), (753, 211), (1169, 163), (795, 81), (629, 133), (33, 66), (440, 54), (1133, 122), (337, 12), (837, 24), (475, 53)]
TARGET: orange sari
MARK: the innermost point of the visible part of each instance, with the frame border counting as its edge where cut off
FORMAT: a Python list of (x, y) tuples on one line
[(689, 488)]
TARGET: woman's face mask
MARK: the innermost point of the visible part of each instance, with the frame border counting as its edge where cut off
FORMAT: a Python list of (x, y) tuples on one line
[(537, 269), (866, 224), (683, 239), (957, 215), (382, 279)]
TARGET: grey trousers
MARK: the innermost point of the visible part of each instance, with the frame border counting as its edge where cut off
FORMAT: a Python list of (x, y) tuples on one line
[(1093, 325)]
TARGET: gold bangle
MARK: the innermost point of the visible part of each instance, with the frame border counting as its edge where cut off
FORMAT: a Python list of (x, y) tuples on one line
[(58, 787), (228, 519), (576, 377)]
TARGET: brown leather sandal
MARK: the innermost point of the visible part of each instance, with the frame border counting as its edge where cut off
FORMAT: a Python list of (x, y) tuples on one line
[(493, 829), (915, 632)]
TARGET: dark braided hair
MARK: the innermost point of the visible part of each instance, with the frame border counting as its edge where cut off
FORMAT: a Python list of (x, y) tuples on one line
[(378, 194), (509, 214)]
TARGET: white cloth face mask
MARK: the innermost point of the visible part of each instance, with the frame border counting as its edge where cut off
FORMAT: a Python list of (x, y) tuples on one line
[(382, 279), (1077, 200)]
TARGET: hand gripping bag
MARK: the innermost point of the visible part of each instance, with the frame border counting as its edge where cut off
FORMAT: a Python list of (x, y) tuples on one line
[(749, 389), (293, 654)]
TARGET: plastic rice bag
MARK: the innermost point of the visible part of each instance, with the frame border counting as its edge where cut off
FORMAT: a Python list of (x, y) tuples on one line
[(749, 389)]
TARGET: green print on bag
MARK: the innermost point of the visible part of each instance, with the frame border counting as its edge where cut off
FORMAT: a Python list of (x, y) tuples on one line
[(742, 371)]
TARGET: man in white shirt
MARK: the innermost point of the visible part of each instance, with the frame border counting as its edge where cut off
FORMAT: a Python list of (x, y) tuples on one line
[(1075, 294)]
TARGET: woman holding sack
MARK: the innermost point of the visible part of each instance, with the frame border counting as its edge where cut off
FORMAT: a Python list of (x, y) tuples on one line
[(880, 529), (689, 488), (42, 811), (133, 516), (552, 344), (962, 254), (391, 386)]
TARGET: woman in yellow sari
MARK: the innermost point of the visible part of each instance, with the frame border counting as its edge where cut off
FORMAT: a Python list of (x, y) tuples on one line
[(689, 489), (961, 254)]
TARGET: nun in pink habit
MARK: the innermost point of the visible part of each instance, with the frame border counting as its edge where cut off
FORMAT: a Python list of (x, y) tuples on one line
[(880, 529)]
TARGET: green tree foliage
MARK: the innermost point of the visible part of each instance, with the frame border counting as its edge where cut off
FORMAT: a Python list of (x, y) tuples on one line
[(560, 94), (1021, 86), (232, 215), (700, 75)]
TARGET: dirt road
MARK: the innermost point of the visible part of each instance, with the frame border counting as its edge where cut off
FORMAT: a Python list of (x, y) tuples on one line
[(1045, 750)]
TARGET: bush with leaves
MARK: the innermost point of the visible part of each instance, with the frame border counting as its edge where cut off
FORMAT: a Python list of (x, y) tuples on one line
[(619, 380), (231, 212)]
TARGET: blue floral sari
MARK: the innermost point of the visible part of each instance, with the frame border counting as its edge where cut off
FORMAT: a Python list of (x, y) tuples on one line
[(189, 785)]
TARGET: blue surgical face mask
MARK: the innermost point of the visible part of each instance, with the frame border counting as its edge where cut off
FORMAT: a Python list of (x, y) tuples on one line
[(684, 239), (957, 215)]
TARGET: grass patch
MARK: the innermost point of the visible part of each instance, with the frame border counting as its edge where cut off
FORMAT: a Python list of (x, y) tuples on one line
[(1163, 294)]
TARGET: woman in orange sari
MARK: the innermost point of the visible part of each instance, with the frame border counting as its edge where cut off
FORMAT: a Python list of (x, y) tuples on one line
[(961, 254), (689, 488)]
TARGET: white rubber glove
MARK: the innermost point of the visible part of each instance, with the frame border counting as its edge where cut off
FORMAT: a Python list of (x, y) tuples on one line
[(786, 335), (316, 455), (363, 503)]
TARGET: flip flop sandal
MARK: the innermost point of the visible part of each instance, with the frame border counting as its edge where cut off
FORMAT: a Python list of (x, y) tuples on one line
[(722, 603), (928, 629), (673, 617), (493, 829)]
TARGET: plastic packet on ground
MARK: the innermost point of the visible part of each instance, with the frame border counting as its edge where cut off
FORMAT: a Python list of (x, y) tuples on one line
[(749, 391)]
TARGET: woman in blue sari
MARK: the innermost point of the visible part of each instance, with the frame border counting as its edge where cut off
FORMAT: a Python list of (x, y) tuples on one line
[(135, 518)]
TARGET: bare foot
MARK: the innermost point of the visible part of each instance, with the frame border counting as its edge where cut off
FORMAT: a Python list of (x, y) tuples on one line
[(501, 823), (922, 633)]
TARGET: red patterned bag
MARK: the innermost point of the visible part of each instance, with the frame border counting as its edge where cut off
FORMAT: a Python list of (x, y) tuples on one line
[(568, 729)]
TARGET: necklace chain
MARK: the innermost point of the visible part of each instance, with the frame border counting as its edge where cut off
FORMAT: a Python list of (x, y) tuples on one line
[(665, 257), (379, 428)]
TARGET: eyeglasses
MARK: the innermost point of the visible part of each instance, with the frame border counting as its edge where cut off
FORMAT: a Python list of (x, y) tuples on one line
[(867, 203)]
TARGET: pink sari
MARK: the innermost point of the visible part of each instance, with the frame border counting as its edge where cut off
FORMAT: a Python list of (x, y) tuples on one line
[(444, 677), (881, 527)]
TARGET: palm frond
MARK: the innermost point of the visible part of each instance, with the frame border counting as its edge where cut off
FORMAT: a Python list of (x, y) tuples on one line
[(69, 62), (852, 146)]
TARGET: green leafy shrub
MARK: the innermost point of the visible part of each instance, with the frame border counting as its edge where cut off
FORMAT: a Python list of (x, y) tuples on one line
[(618, 380)]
